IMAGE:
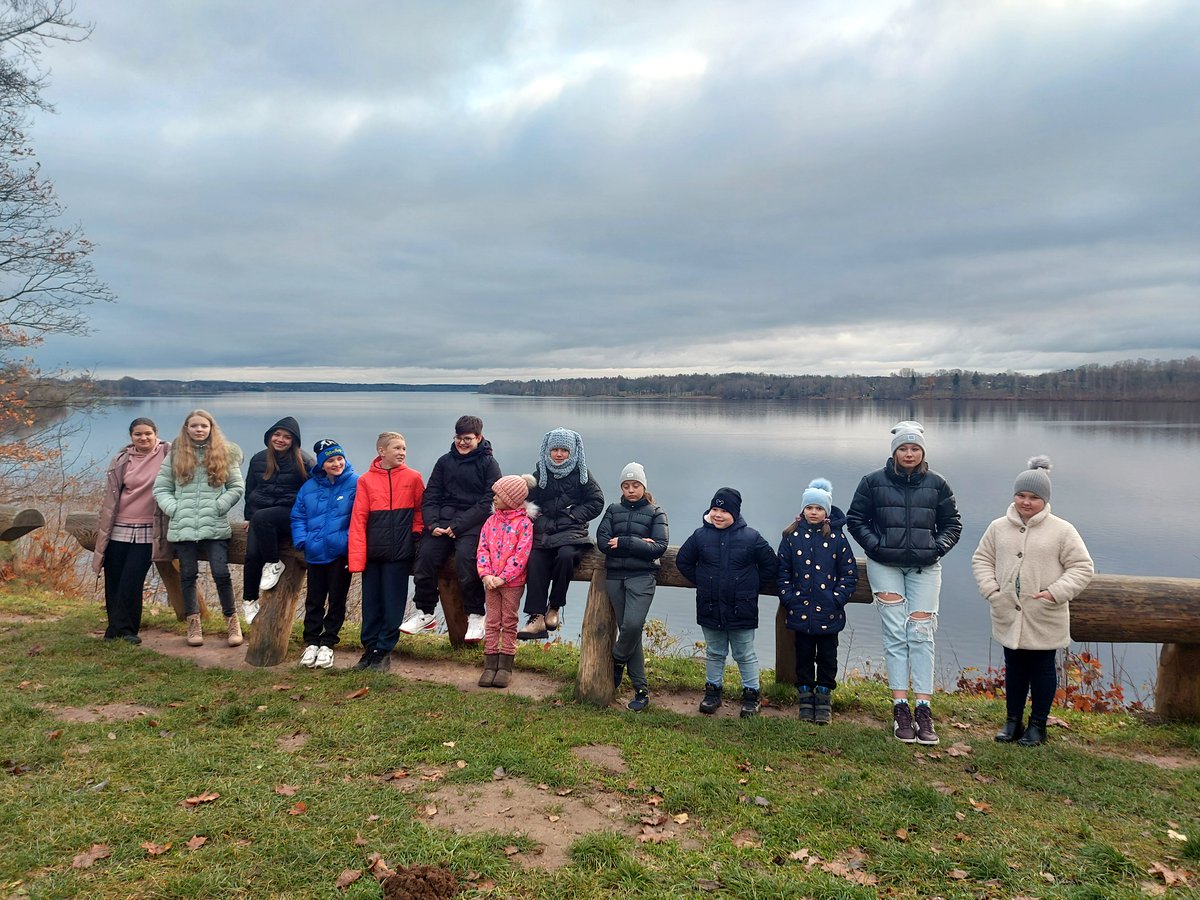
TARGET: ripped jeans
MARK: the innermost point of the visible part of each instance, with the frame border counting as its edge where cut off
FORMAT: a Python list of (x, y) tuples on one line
[(907, 641)]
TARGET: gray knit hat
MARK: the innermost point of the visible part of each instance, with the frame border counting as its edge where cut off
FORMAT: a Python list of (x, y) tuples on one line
[(634, 472), (1035, 479), (907, 433)]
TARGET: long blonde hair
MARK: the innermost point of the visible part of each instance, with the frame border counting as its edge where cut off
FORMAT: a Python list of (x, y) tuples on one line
[(217, 454)]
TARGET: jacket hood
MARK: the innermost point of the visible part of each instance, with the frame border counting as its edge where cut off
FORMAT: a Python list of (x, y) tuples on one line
[(377, 465), (288, 424)]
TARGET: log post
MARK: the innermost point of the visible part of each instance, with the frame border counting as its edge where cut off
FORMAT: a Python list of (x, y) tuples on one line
[(594, 683), (1177, 688), (450, 594), (168, 573), (272, 628), (16, 522)]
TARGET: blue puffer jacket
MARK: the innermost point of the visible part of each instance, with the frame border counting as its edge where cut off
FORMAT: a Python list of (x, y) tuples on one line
[(817, 575), (728, 567), (321, 515)]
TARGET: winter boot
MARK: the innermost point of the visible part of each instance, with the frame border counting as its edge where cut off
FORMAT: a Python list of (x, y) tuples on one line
[(1034, 735), (806, 694), (195, 635), (504, 672), (1011, 731), (750, 702), (823, 706), (491, 663), (712, 698), (534, 630), (233, 630)]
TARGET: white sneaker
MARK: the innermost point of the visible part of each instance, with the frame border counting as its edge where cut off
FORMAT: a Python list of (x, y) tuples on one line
[(475, 629), (418, 622), (270, 576), (324, 658), (310, 656), (249, 610)]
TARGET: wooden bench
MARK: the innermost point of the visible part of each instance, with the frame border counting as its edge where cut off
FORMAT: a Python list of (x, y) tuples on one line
[(16, 522)]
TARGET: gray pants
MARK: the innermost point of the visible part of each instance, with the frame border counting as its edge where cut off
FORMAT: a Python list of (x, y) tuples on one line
[(631, 597)]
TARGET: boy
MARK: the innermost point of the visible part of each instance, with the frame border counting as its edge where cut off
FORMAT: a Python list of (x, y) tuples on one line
[(385, 526), (458, 499)]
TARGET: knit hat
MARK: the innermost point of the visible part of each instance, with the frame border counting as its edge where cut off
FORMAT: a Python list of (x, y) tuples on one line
[(325, 449), (565, 439), (1035, 479), (908, 433), (728, 499), (819, 493), (634, 472), (511, 490)]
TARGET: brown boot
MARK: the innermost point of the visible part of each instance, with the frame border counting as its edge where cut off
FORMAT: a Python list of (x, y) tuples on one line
[(491, 662), (233, 630), (504, 672), (195, 635)]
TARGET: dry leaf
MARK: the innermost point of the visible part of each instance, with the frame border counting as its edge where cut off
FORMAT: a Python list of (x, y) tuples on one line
[(112, 735), (1150, 889), (195, 842), (395, 775), (654, 801), (902, 833), (962, 725), (175, 705), (54, 735), (460, 763), (1176, 836), (361, 692), (379, 867), (299, 809), (260, 708), (282, 687), (942, 788), (962, 837), (285, 790), (347, 878), (88, 857), (707, 884), (980, 805), (654, 820), (960, 816), (959, 749), (761, 801), (743, 781), (431, 810), (1168, 875), (449, 744), (35, 650), (552, 818), (205, 797), (510, 850), (651, 836), (957, 875), (746, 839), (801, 854), (359, 840), (1055, 720), (681, 818), (563, 792), (373, 817), (153, 849)]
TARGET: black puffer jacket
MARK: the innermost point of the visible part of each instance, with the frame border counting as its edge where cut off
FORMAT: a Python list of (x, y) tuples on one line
[(729, 566), (566, 506), (459, 493), (902, 520), (281, 490), (631, 524)]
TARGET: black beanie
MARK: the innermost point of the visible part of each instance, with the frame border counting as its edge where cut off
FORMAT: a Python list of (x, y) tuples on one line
[(729, 500)]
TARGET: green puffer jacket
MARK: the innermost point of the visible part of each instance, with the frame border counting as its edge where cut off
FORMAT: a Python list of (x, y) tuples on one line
[(197, 509)]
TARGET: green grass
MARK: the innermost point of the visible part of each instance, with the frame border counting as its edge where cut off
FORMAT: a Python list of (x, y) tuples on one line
[(1076, 818)]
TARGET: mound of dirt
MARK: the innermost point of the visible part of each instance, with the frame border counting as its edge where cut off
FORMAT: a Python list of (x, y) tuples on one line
[(420, 883)]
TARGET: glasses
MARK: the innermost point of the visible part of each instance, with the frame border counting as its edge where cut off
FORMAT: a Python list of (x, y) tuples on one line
[(464, 438)]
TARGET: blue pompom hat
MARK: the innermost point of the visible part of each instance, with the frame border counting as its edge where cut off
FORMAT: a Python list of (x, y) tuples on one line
[(819, 493)]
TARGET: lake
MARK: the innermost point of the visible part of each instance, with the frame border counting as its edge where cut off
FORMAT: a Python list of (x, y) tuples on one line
[(1124, 475)]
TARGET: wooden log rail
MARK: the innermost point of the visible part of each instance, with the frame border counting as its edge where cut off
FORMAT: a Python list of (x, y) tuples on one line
[(16, 522)]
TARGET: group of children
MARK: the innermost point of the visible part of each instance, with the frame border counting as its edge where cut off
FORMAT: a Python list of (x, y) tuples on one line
[(526, 533)]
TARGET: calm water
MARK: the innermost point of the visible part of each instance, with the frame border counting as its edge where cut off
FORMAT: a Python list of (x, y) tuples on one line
[(1123, 474)]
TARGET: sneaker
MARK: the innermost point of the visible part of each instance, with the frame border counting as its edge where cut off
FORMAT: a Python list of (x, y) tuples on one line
[(364, 660), (641, 699), (751, 702), (270, 576), (418, 622), (902, 723), (476, 627), (131, 638), (381, 661), (553, 619), (310, 656), (534, 630), (822, 706), (712, 698), (925, 733), (249, 610), (195, 633), (805, 712), (324, 658)]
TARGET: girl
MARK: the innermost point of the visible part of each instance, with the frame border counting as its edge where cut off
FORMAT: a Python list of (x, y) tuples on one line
[(817, 576), (132, 530), (905, 519), (568, 500), (321, 529), (1029, 565), (727, 560), (504, 545), (199, 482), (273, 479), (633, 535)]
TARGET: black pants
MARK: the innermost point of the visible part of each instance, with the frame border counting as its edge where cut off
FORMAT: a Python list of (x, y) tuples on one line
[(1030, 673), (816, 655), (430, 556), (548, 575), (322, 621), (125, 568), (268, 528)]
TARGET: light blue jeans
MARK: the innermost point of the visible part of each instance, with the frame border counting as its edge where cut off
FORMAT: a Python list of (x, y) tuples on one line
[(907, 642), (717, 644)]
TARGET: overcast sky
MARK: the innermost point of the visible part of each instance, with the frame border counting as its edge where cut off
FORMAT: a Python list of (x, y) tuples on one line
[(416, 191)]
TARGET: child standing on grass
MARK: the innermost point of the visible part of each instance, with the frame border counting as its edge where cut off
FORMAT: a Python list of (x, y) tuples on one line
[(321, 529), (385, 526), (503, 554), (728, 561), (817, 576)]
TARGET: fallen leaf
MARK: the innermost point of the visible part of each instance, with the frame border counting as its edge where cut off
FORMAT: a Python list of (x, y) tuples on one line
[(153, 849), (654, 820), (460, 763), (959, 749), (1048, 877), (1176, 836), (195, 842), (450, 744), (373, 817), (962, 837), (54, 735), (564, 792), (395, 775), (35, 650), (99, 786), (942, 788), (743, 781), (552, 818), (654, 801), (510, 850), (652, 836), (986, 779), (962, 725), (431, 810), (768, 769), (960, 816), (347, 878), (285, 790), (958, 875), (379, 867), (205, 797), (707, 884), (175, 705), (282, 687), (112, 735), (1168, 875), (761, 801), (260, 708), (980, 805), (680, 819), (746, 839), (360, 693), (299, 809), (801, 854), (1152, 890), (88, 857), (359, 840), (902, 833), (1055, 720)]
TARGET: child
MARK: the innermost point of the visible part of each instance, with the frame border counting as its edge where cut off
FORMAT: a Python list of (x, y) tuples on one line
[(321, 529), (633, 535), (199, 482), (905, 518), (568, 500), (817, 576), (1029, 565), (385, 526), (457, 499), (727, 560), (504, 545)]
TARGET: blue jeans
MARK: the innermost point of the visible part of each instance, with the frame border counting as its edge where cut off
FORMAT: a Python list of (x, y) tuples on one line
[(907, 641), (384, 596), (718, 642)]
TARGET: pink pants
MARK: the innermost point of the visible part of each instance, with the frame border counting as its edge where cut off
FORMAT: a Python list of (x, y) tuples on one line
[(503, 609)]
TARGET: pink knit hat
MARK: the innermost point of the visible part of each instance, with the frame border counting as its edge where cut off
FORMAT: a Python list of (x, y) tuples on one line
[(511, 490)]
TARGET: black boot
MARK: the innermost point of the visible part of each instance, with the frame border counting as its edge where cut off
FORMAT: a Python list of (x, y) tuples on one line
[(750, 702), (1010, 732), (823, 706), (806, 702), (712, 698), (1034, 735)]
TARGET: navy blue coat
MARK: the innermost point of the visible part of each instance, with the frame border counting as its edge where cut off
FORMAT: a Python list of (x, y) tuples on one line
[(321, 516), (904, 520), (817, 575), (728, 567)]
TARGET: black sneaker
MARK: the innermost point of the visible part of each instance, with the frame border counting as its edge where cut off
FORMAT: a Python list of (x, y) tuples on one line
[(618, 673), (712, 698), (805, 712), (364, 660), (925, 733), (131, 638), (381, 661), (640, 701), (902, 723), (750, 702)]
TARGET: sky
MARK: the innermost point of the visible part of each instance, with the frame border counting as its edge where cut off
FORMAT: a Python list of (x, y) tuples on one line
[(456, 192)]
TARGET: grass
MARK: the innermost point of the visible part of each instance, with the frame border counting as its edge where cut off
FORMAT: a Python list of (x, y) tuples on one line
[(1077, 818)]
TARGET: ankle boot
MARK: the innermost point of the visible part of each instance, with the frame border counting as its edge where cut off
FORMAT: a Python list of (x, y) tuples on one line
[(195, 634), (822, 706), (233, 630), (491, 663), (504, 672), (1034, 734), (750, 702), (806, 711), (1010, 732), (712, 698)]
